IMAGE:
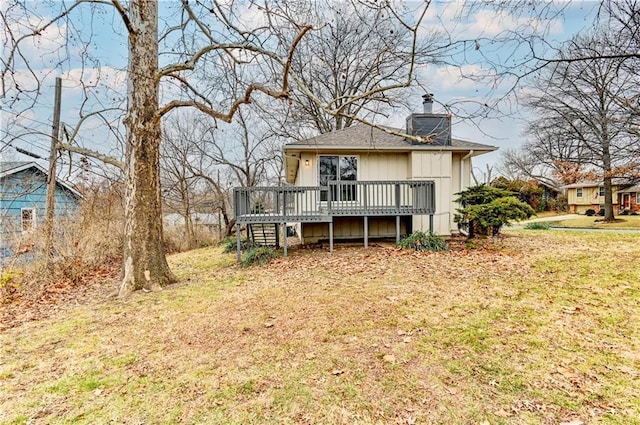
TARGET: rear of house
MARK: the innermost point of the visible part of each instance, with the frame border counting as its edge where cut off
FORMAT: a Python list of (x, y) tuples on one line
[(366, 154), (366, 182)]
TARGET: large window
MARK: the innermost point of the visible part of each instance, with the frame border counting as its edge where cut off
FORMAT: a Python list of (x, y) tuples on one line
[(28, 219), (338, 168)]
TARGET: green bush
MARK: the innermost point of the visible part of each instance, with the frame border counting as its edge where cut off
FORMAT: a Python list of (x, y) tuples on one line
[(486, 209), (538, 225), (590, 212), (258, 255), (421, 241), (229, 244)]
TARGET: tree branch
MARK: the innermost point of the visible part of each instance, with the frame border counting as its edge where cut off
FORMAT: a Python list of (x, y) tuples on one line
[(283, 93)]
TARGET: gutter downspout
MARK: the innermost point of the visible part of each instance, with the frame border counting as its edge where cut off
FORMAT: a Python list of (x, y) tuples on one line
[(464, 158)]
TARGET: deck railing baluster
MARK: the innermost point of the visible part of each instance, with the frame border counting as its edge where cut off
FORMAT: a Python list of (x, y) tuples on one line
[(355, 198)]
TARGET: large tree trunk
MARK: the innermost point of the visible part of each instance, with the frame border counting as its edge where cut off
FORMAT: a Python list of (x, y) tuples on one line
[(145, 265), (607, 169)]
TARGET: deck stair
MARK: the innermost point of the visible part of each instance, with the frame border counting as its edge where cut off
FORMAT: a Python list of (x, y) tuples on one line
[(264, 234)]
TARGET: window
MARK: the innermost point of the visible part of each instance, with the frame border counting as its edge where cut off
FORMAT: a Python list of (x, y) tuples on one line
[(579, 192), (338, 168), (601, 191), (28, 219)]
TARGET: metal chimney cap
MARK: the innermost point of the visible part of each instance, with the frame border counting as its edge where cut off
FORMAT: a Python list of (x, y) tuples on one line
[(427, 105)]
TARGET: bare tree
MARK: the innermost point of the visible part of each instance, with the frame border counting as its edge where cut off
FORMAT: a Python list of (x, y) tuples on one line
[(577, 114), (351, 51), (548, 156), (178, 182), (191, 43)]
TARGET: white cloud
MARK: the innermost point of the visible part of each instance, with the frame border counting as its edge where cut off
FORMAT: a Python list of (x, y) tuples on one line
[(460, 23), (105, 76)]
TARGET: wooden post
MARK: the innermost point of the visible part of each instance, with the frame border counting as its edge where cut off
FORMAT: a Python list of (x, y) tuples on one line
[(285, 244), (239, 254), (51, 177), (397, 230), (366, 231), (331, 235)]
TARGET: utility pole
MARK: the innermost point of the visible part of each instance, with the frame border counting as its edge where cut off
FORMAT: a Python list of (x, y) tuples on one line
[(51, 178), (219, 208)]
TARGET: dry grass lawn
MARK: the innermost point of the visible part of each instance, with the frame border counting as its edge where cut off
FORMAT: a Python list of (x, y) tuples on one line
[(595, 222), (532, 328)]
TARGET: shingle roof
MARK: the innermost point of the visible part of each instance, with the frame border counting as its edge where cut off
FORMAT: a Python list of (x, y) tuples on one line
[(10, 165), (366, 137), (615, 182)]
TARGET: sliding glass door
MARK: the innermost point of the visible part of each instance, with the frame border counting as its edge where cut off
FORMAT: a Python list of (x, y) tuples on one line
[(338, 168)]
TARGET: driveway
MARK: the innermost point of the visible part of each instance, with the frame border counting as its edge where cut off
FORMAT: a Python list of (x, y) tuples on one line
[(551, 218)]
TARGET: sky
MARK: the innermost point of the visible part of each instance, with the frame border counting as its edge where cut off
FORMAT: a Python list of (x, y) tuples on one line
[(502, 127)]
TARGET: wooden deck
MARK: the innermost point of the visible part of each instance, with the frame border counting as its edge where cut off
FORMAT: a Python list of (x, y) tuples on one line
[(320, 204)]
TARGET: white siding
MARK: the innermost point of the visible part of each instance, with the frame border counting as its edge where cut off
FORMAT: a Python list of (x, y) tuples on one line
[(371, 166), (378, 166), (436, 166), (446, 169)]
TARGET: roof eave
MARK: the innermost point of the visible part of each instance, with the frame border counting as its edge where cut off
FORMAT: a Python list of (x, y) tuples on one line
[(42, 170), (300, 148)]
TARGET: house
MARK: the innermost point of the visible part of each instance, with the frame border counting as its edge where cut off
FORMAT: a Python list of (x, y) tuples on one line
[(23, 189), (207, 221), (584, 196), (362, 182)]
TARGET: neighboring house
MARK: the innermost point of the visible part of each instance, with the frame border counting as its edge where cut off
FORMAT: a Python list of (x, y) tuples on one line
[(23, 189), (205, 221), (364, 182), (629, 199), (590, 195)]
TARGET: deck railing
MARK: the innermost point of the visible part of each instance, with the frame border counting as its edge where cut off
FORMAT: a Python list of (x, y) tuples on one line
[(340, 198)]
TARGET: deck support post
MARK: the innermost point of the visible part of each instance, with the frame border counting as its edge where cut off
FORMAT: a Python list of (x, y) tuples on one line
[(239, 254), (331, 236), (285, 244), (397, 230), (366, 231), (430, 223)]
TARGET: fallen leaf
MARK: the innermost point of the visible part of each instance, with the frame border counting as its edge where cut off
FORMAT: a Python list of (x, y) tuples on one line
[(573, 422), (337, 372), (389, 358)]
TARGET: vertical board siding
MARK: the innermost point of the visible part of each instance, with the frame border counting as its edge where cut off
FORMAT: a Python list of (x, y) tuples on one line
[(436, 166)]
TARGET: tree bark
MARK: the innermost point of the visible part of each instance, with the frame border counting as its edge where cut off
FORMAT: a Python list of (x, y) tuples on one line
[(145, 265)]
